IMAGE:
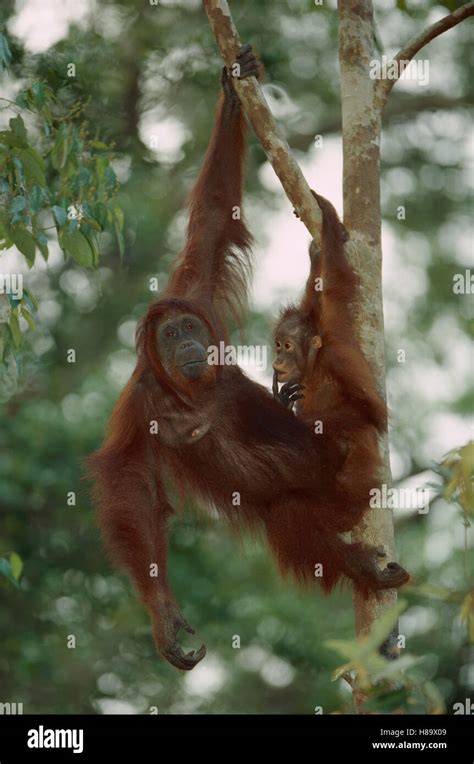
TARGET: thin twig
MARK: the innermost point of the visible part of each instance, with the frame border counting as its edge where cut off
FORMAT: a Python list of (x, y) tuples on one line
[(418, 42)]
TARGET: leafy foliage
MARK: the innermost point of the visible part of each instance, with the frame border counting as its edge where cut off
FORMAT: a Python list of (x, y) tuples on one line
[(63, 183), (457, 472), (381, 685)]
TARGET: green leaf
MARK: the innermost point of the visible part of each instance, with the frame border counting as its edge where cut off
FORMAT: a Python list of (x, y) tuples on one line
[(17, 206), (82, 178), (8, 138), (30, 299), (60, 214), (110, 178), (5, 568), (36, 199), (28, 318), (61, 149), (95, 250), (119, 217), (5, 53), (387, 702), (100, 214), (17, 126), (49, 94), (25, 241), (392, 668), (87, 210), (91, 223), (32, 164), (348, 649), (16, 565), (101, 166), (86, 229), (15, 329), (5, 240), (76, 245), (13, 301), (21, 100), (42, 240), (38, 94), (20, 177)]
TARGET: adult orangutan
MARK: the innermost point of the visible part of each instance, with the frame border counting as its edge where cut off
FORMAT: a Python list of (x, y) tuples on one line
[(210, 430)]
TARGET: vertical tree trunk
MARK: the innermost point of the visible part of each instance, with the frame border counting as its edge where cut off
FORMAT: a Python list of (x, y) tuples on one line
[(361, 124)]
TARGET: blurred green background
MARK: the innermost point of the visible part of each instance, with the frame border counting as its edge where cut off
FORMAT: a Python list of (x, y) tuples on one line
[(148, 76)]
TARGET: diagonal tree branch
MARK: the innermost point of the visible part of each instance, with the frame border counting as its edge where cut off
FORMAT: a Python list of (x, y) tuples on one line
[(418, 42), (263, 122)]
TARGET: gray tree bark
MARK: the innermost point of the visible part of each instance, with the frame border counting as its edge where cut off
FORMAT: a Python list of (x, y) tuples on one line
[(361, 129)]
